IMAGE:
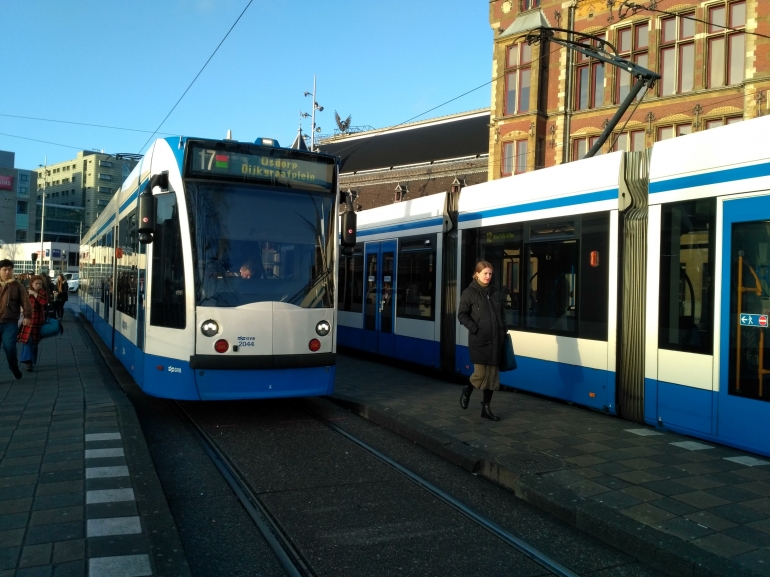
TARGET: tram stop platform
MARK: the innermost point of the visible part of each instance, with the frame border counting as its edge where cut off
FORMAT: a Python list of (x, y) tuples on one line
[(78, 491), (687, 507)]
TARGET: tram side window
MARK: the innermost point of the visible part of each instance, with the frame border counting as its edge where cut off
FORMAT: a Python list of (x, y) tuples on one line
[(501, 247), (593, 292), (128, 253), (351, 282), (687, 276), (416, 280), (168, 294), (552, 272)]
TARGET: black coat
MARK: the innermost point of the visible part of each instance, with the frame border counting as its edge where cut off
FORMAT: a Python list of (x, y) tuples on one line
[(481, 312)]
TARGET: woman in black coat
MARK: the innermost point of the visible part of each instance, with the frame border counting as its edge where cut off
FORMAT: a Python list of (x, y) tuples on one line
[(481, 312)]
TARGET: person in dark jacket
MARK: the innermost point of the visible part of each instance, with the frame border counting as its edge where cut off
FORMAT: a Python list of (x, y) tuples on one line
[(62, 295), (481, 312), (13, 299)]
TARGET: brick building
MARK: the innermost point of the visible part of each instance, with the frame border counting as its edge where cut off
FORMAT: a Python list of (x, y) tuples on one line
[(549, 104), (413, 160)]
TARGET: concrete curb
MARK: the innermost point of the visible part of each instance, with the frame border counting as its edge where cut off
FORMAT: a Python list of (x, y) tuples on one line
[(168, 555), (659, 550)]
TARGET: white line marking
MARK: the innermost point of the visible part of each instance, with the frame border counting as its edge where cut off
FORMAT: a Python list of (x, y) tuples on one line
[(643, 432), (691, 445), (748, 461), (124, 566), (103, 472), (109, 496), (102, 437), (113, 526), (100, 453)]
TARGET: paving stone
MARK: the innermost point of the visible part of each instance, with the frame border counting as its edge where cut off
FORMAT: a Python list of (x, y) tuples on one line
[(55, 532), (105, 510), (616, 500), (33, 555), (757, 561), (60, 515), (8, 557), (738, 513), (65, 551), (685, 529), (62, 476), (42, 571), (648, 514), (710, 520), (637, 477), (723, 545), (13, 521), (120, 566), (673, 506), (11, 538), (700, 483), (749, 535), (701, 500), (17, 453), (70, 569), (61, 487), (58, 501)]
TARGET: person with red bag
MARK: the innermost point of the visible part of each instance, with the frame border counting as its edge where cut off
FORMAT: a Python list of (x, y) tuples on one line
[(29, 335)]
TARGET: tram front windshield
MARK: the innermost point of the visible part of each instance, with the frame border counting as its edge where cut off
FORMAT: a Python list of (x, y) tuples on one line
[(261, 244)]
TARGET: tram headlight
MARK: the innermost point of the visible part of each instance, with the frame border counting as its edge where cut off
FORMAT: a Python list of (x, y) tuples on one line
[(323, 328), (209, 328)]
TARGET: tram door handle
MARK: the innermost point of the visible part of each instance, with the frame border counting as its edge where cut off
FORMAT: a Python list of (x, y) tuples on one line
[(382, 305)]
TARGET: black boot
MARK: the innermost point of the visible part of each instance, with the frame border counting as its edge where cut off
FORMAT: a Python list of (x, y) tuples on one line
[(465, 397), (486, 412)]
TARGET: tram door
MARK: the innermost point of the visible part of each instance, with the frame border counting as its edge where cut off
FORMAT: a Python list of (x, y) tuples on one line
[(379, 300), (744, 388)]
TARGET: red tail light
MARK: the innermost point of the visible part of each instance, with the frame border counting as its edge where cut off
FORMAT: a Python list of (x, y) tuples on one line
[(221, 346), (314, 345), (594, 260)]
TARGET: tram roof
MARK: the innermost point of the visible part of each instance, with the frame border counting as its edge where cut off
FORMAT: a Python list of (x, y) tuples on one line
[(449, 137)]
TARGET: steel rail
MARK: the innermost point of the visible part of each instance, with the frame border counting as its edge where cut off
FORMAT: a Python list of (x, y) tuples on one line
[(284, 550), (519, 544)]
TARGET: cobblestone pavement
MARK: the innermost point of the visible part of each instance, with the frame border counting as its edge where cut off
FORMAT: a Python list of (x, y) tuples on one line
[(696, 506), (73, 478)]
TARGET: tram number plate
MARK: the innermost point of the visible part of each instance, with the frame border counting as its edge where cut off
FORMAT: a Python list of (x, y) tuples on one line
[(748, 320), (245, 341)]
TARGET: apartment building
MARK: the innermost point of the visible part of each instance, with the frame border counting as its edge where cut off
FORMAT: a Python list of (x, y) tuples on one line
[(549, 104), (18, 192), (77, 190)]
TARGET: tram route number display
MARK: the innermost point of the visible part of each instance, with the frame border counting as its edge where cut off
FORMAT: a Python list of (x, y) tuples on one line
[(273, 168), (759, 321)]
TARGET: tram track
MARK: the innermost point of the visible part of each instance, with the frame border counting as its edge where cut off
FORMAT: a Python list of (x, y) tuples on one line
[(288, 554)]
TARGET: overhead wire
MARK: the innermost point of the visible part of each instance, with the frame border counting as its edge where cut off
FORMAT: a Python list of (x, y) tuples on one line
[(83, 124), (197, 75), (43, 141)]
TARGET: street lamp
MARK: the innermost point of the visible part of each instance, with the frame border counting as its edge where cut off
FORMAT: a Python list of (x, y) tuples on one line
[(42, 211), (317, 107)]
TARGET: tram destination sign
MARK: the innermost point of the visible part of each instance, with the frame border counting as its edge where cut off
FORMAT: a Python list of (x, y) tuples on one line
[(759, 321), (274, 166)]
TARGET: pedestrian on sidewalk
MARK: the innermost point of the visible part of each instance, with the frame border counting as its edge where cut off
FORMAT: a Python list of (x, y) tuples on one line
[(481, 312), (62, 295), (13, 299), (29, 335)]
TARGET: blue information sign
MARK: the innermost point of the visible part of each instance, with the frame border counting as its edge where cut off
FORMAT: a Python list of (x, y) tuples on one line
[(748, 320)]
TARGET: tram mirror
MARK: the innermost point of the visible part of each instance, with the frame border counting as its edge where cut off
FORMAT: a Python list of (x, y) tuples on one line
[(349, 228), (146, 211)]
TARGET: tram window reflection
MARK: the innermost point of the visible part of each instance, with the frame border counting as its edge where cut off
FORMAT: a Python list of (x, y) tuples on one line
[(416, 281), (686, 276)]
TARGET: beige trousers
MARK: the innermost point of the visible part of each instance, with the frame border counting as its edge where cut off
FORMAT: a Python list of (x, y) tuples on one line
[(486, 377)]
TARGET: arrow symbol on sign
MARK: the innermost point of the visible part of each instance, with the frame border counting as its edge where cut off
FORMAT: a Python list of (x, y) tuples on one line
[(745, 320)]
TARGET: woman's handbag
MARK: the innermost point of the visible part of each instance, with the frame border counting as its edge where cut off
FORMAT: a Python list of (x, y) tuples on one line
[(51, 328), (508, 361)]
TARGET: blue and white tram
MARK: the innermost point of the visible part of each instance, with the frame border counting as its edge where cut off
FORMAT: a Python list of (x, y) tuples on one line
[(634, 283), (211, 271)]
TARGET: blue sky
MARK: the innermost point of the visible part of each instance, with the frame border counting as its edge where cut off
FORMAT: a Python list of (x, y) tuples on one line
[(126, 63)]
